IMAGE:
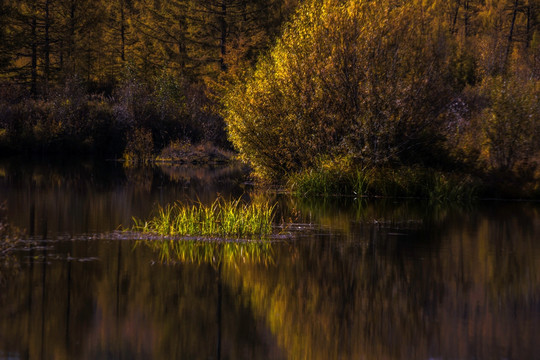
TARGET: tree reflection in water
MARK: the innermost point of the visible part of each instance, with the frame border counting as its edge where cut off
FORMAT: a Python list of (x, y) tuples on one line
[(391, 284), (379, 280), (455, 287)]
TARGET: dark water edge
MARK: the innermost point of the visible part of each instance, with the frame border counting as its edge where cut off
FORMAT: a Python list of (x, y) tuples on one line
[(346, 279)]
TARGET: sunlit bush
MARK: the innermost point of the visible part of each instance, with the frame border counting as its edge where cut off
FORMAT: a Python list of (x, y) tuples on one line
[(358, 78)]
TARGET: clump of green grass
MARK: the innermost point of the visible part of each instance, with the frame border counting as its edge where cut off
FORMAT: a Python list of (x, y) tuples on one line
[(234, 218), (447, 188), (320, 183)]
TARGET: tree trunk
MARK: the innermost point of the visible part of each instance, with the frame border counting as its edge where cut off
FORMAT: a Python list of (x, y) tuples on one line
[(467, 17), (454, 21), (47, 45), (223, 38), (71, 39), (528, 29), (122, 31), (511, 32), (34, 46)]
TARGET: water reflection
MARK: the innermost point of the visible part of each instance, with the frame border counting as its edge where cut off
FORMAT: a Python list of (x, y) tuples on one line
[(212, 251), (463, 287), (55, 199), (122, 306), (374, 280)]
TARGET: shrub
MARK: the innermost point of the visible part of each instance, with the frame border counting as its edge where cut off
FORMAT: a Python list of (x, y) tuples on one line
[(139, 147), (511, 122), (375, 91), (159, 105)]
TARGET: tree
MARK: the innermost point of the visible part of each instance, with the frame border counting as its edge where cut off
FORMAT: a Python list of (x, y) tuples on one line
[(231, 32), (25, 29), (118, 40), (162, 36), (5, 12), (81, 27)]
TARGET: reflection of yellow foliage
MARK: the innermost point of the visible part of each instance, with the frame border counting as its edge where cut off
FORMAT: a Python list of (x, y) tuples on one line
[(325, 304), (459, 283), (352, 217), (203, 174)]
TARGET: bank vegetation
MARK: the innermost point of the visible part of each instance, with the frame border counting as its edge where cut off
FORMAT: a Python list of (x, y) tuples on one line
[(441, 94), (445, 93)]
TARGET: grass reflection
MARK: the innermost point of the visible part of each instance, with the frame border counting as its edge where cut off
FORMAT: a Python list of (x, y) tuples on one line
[(213, 252)]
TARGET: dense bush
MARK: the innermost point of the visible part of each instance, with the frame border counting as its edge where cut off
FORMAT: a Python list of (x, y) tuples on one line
[(69, 120), (159, 105), (511, 122), (393, 85), (356, 77)]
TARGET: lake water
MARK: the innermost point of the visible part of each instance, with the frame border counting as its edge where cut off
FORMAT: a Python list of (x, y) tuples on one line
[(345, 279)]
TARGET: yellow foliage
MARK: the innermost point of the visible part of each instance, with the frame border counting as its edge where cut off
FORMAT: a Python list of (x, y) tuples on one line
[(340, 81), (511, 123)]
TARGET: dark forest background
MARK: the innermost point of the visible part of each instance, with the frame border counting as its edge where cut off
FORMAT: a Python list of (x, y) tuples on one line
[(291, 85), (88, 75)]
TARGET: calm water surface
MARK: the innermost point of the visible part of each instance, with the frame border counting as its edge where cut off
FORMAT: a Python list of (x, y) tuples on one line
[(347, 280)]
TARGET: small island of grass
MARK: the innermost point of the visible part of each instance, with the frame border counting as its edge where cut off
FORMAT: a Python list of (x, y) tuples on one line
[(223, 218)]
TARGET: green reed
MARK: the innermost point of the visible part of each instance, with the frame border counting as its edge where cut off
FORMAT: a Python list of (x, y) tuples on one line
[(223, 218), (437, 186)]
